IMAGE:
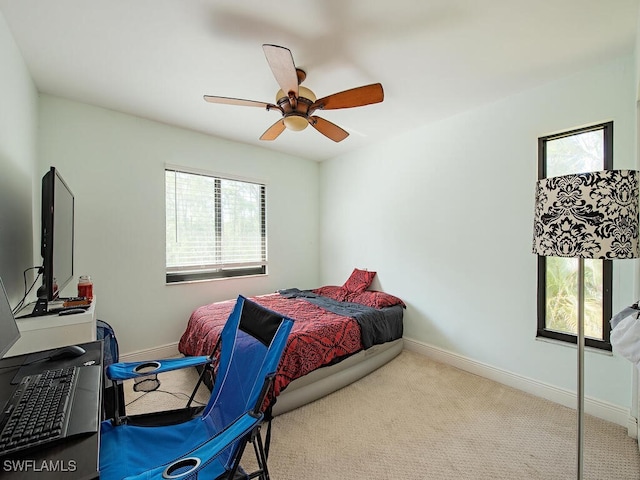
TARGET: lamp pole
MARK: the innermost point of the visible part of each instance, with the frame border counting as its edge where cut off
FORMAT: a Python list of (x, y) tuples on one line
[(580, 407)]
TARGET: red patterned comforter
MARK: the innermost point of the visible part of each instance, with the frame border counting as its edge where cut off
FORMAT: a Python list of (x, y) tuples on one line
[(318, 337)]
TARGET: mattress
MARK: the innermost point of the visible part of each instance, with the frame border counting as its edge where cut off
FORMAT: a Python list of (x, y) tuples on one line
[(320, 337)]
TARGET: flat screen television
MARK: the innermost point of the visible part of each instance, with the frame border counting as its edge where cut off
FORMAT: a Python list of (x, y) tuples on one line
[(56, 245)]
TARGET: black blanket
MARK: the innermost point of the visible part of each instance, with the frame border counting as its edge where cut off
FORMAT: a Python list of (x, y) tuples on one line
[(376, 326)]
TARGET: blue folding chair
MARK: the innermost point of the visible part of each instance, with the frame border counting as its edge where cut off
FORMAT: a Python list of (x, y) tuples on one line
[(203, 442)]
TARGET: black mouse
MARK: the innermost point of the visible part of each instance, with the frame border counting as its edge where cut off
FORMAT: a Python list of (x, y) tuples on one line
[(70, 351)]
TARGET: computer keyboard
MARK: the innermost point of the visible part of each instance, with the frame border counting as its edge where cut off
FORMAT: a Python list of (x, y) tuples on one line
[(39, 410)]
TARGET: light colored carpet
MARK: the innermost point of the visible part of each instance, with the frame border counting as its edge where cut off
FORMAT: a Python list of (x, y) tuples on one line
[(173, 392), (418, 419)]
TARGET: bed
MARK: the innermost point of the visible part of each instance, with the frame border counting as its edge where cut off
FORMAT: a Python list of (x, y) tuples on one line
[(340, 334)]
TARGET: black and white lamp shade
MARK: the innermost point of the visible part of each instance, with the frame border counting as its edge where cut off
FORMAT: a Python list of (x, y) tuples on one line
[(588, 215)]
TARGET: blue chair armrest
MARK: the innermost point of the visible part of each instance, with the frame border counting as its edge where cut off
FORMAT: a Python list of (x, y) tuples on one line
[(128, 370)]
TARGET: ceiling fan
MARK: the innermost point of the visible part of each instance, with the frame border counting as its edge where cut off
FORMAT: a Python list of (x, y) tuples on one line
[(297, 103)]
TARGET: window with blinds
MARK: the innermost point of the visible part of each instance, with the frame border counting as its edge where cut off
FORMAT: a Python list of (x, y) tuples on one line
[(216, 227)]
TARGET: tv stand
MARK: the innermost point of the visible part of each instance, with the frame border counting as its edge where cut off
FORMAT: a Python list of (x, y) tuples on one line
[(41, 308)]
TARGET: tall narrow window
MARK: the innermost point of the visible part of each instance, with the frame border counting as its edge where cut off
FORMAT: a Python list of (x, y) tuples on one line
[(215, 227), (576, 151)]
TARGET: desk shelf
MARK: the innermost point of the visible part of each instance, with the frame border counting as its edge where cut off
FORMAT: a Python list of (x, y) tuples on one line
[(53, 331)]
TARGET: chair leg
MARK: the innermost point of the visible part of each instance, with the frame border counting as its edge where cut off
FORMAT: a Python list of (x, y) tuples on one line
[(236, 463), (261, 457), (118, 408), (262, 472), (205, 370)]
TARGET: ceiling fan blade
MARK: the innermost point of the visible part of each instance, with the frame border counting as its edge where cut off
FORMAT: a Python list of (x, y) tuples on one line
[(238, 101), (273, 131), (328, 129), (355, 97), (284, 70)]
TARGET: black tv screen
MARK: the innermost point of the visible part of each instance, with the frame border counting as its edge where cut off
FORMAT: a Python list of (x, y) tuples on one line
[(57, 235)]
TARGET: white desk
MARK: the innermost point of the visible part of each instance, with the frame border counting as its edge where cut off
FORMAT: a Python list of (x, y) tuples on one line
[(52, 331)]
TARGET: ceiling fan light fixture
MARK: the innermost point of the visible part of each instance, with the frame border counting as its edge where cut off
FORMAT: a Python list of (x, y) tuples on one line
[(295, 122), (306, 93)]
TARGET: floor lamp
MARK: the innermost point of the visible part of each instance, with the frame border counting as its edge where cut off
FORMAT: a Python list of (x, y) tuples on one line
[(587, 215)]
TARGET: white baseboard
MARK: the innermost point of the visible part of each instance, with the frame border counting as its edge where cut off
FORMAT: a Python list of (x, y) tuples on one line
[(598, 408), (156, 353)]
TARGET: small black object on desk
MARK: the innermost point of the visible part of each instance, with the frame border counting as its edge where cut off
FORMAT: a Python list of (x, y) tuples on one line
[(71, 311), (70, 351)]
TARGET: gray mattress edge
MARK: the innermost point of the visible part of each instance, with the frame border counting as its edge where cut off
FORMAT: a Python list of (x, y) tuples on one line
[(326, 380)]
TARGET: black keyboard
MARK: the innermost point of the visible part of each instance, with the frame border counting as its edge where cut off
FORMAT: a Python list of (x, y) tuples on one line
[(39, 410)]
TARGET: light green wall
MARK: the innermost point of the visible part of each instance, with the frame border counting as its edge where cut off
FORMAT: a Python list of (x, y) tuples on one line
[(444, 214), (114, 164)]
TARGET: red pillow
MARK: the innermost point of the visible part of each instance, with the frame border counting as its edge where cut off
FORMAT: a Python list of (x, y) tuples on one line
[(375, 299), (331, 291), (359, 281)]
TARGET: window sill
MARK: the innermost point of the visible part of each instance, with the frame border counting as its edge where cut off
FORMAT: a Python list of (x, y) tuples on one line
[(606, 353), (220, 279)]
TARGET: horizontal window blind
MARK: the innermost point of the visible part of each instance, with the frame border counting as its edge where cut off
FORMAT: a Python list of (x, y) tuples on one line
[(215, 227)]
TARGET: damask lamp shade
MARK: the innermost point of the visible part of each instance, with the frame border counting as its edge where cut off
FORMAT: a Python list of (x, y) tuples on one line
[(588, 215)]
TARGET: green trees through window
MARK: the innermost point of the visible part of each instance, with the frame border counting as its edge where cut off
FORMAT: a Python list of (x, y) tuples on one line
[(215, 227), (562, 296)]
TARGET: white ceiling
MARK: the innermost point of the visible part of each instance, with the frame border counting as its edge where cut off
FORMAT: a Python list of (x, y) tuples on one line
[(435, 58)]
